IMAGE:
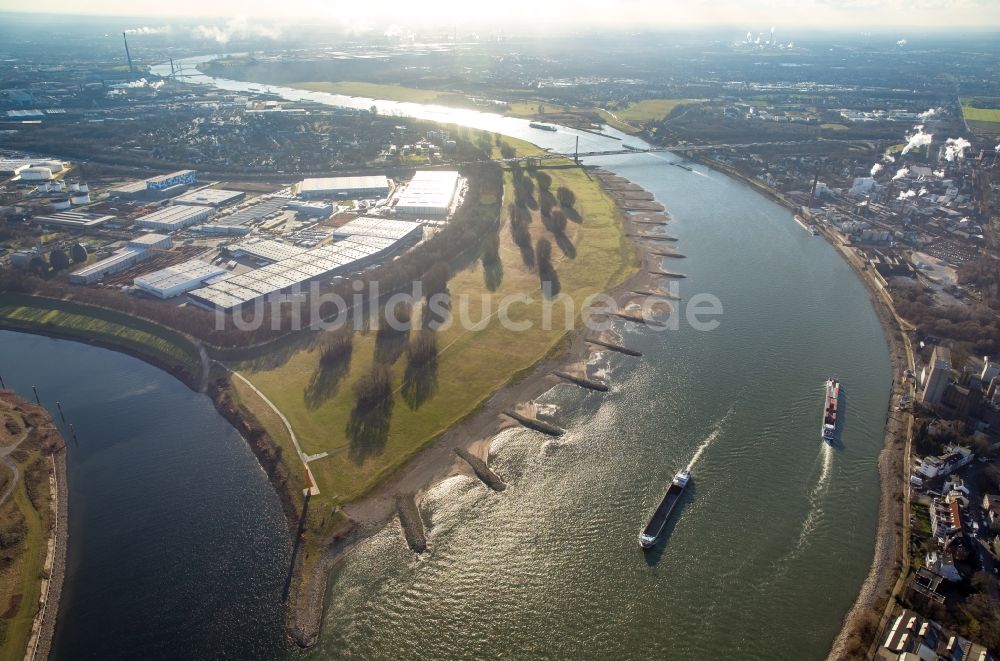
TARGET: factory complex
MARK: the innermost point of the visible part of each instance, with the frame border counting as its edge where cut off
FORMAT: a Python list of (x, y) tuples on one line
[(293, 266), (233, 249)]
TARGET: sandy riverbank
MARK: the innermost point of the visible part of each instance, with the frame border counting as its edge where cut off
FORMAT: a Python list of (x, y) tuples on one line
[(475, 433)]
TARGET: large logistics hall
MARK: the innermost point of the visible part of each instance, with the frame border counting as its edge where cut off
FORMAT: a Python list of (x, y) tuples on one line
[(169, 219), (293, 266), (178, 279), (350, 188), (429, 194)]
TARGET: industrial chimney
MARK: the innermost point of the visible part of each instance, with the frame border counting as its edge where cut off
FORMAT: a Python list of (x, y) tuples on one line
[(127, 55)]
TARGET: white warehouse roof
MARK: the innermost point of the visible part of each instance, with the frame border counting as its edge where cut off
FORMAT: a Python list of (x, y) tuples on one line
[(430, 192), (177, 279), (381, 227), (366, 185), (210, 197), (175, 217)]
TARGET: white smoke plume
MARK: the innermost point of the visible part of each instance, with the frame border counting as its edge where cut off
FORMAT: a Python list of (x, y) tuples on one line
[(918, 139), (923, 191), (939, 174), (889, 158), (927, 114), (901, 42), (239, 28), (997, 148), (954, 149), (876, 169), (148, 30), (902, 172), (905, 195)]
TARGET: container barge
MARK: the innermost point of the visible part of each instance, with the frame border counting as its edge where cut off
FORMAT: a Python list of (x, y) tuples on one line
[(830, 409)]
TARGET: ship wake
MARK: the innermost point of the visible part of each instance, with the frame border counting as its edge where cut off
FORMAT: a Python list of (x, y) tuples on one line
[(712, 435)]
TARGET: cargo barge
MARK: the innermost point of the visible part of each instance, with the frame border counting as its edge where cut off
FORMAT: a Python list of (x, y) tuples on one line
[(653, 529), (830, 409), (543, 127)]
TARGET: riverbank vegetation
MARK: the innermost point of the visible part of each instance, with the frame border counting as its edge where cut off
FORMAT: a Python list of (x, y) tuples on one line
[(87, 323), (27, 517)]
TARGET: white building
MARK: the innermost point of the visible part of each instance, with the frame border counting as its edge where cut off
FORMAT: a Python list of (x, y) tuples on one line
[(348, 188), (429, 194), (173, 218), (210, 197), (935, 376), (178, 279), (122, 260), (147, 241), (386, 228), (954, 457)]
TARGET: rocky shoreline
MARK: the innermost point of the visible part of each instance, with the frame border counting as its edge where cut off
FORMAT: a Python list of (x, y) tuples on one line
[(57, 573)]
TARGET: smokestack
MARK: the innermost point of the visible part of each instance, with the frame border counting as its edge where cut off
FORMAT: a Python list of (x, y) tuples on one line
[(172, 72), (128, 56), (812, 193)]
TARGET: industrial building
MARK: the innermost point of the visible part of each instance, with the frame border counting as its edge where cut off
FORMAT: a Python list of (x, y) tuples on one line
[(178, 279), (319, 209), (210, 197), (397, 230), (157, 187), (73, 219), (148, 241), (265, 249), (122, 260), (429, 194), (253, 213), (179, 178), (298, 268), (221, 228), (173, 218), (348, 188)]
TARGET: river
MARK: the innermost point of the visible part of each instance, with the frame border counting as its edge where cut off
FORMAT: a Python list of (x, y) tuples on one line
[(178, 548), (770, 546)]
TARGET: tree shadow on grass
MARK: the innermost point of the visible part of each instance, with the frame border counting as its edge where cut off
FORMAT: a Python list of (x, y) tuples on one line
[(324, 381), (565, 245), (572, 215), (550, 283), (368, 429), (492, 274), (389, 345), (435, 315), (420, 382)]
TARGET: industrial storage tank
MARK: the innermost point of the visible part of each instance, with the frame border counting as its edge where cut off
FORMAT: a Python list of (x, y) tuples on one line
[(80, 198), (84, 188), (73, 186), (61, 203)]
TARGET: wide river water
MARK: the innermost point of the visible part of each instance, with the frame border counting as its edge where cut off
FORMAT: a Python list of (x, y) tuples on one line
[(178, 549)]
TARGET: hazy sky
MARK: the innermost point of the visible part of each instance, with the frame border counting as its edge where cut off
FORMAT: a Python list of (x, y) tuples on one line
[(757, 15)]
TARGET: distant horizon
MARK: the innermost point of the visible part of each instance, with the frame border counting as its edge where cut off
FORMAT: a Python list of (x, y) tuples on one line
[(556, 16)]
